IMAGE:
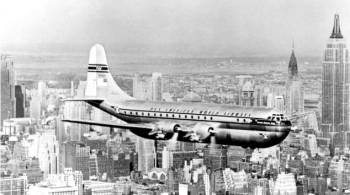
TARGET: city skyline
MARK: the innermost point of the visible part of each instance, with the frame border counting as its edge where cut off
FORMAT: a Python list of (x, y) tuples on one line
[(174, 107)]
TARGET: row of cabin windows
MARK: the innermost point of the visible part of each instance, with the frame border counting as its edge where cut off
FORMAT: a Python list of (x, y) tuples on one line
[(204, 112), (174, 115)]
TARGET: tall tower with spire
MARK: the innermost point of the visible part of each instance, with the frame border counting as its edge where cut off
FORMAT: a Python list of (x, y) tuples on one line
[(335, 89), (295, 94)]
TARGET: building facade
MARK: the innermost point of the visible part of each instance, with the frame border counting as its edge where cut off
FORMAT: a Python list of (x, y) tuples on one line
[(335, 88), (294, 93), (7, 83)]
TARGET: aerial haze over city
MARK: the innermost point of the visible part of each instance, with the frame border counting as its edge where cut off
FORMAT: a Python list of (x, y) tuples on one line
[(175, 97)]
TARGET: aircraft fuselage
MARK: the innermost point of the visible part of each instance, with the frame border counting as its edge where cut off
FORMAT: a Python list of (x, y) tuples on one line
[(203, 123)]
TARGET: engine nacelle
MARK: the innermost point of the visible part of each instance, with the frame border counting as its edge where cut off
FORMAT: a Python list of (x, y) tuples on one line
[(167, 127), (204, 131)]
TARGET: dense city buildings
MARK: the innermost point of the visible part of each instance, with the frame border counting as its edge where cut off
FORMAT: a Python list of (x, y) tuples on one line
[(11, 184), (335, 89)]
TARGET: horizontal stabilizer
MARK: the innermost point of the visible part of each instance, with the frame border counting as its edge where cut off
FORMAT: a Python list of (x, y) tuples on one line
[(107, 124)]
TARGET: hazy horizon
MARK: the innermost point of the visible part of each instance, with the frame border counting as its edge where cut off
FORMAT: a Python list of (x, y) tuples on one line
[(182, 28)]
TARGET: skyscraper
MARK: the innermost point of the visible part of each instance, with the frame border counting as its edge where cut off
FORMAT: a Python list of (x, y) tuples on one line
[(7, 83), (335, 88), (156, 84), (148, 88), (146, 154), (20, 100), (294, 95)]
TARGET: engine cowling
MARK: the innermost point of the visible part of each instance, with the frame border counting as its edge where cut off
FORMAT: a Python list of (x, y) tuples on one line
[(204, 131), (168, 127), (163, 131)]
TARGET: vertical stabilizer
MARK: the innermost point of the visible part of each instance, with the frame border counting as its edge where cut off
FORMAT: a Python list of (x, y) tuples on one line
[(100, 82)]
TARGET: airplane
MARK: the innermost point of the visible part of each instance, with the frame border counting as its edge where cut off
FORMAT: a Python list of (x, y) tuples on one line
[(248, 127)]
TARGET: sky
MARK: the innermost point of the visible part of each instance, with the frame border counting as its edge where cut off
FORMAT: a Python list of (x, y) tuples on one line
[(179, 28)]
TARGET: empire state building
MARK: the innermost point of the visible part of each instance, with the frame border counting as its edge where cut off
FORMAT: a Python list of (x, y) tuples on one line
[(335, 89)]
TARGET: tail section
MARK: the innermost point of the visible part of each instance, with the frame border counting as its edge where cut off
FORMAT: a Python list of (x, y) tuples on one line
[(100, 82)]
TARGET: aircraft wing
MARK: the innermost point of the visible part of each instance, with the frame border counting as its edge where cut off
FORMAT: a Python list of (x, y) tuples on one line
[(108, 124), (92, 100)]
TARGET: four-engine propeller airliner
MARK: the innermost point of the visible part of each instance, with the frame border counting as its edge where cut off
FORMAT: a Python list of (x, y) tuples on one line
[(254, 127)]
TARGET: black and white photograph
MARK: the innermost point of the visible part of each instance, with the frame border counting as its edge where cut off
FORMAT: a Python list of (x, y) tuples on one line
[(175, 97)]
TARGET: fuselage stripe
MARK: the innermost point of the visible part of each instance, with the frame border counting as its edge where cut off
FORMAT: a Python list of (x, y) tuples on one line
[(195, 117)]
